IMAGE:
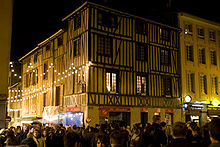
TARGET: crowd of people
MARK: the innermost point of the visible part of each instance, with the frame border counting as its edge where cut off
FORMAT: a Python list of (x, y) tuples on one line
[(117, 134)]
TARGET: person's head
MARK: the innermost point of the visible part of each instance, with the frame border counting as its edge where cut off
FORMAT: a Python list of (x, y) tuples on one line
[(37, 133), (18, 129), (70, 139), (117, 139), (179, 130), (156, 119), (163, 125), (214, 130), (44, 133)]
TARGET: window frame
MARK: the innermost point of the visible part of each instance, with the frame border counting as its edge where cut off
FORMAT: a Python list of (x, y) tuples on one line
[(141, 51), (101, 46), (143, 87), (106, 19), (111, 89)]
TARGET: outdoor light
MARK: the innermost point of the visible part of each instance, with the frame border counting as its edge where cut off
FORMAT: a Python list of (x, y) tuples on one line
[(188, 99), (215, 102)]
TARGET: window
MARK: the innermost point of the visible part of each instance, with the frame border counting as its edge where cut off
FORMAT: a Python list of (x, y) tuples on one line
[(215, 85), (166, 87), (164, 34), (106, 19), (141, 51), (141, 84), (201, 32), (203, 84), (76, 47), (35, 57), (35, 77), (45, 74), (213, 57), (165, 58), (189, 53), (112, 84), (188, 29), (212, 35), (191, 82), (202, 56), (48, 47), (104, 46), (140, 27), (57, 101), (27, 79), (77, 22), (45, 99), (60, 41)]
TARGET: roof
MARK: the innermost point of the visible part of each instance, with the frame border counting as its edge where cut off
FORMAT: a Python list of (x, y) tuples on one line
[(42, 43), (117, 11)]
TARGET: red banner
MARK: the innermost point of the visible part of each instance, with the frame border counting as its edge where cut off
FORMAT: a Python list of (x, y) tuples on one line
[(144, 109), (104, 111), (73, 109), (169, 110)]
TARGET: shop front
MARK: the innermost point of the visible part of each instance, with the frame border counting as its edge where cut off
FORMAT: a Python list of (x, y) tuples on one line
[(114, 114), (72, 116)]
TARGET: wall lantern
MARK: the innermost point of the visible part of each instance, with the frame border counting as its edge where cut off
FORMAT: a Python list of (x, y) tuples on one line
[(215, 102), (188, 99)]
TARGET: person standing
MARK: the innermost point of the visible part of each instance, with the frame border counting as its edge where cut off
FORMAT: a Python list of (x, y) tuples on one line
[(214, 131)]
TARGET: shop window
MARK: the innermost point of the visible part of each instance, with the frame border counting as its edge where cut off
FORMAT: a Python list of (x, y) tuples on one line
[(141, 51), (169, 118), (144, 117), (165, 57), (141, 84), (77, 21), (213, 57), (76, 47), (189, 53), (112, 82), (107, 19), (104, 46), (140, 27), (202, 56), (188, 29)]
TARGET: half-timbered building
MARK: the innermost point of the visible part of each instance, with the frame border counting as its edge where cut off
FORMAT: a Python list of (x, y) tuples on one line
[(106, 65)]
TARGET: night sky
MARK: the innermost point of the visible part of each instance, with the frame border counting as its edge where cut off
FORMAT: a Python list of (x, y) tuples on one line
[(34, 21)]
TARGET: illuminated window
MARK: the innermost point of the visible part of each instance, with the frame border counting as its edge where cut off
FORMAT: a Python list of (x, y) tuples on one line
[(141, 51), (141, 84), (165, 58), (76, 47), (77, 22), (188, 29), (164, 34), (189, 53), (202, 56), (203, 84), (140, 27), (104, 46), (200, 32), (213, 57), (107, 19), (212, 35), (191, 82), (112, 82)]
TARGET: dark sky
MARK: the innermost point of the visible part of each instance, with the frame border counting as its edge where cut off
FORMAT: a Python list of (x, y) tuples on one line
[(34, 21)]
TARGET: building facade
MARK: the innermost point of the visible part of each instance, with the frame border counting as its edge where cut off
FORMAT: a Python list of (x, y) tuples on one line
[(105, 65), (200, 66)]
